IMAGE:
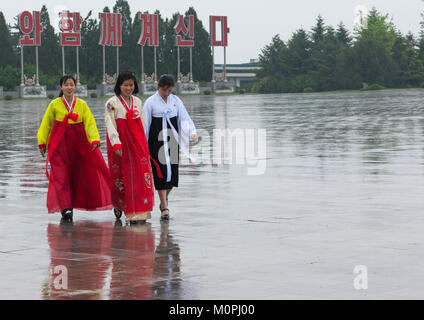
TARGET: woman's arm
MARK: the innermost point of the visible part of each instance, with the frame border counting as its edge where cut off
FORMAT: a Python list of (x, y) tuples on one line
[(111, 129), (187, 127), (90, 126), (45, 128)]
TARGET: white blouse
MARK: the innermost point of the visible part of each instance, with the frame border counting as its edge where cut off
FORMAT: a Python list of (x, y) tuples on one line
[(116, 110), (156, 107)]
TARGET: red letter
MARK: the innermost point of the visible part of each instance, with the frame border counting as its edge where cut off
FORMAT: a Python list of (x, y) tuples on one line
[(180, 26), (26, 25), (149, 30)]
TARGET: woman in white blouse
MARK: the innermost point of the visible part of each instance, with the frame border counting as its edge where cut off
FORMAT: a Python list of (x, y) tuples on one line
[(167, 124)]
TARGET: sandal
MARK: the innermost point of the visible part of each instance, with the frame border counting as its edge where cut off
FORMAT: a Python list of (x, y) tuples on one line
[(160, 206), (164, 217), (118, 213), (67, 214)]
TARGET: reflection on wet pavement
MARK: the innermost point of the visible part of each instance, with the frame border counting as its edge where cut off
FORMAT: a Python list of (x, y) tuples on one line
[(343, 187), (107, 261)]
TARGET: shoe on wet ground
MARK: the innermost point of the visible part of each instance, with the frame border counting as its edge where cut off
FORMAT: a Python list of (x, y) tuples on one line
[(118, 213), (160, 205), (164, 217), (67, 215)]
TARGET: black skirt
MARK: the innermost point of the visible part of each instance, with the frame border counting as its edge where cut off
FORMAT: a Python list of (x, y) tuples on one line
[(156, 150)]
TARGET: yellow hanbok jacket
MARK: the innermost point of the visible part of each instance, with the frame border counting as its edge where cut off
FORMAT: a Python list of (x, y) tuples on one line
[(56, 111)]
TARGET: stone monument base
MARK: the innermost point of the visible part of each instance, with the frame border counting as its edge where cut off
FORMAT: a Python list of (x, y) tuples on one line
[(187, 87), (148, 88), (81, 91), (106, 89), (222, 87), (32, 91)]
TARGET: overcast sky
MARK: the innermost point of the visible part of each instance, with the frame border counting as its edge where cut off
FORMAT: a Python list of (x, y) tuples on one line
[(247, 37)]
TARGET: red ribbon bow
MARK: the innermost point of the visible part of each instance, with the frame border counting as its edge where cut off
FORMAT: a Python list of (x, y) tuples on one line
[(132, 114), (72, 116)]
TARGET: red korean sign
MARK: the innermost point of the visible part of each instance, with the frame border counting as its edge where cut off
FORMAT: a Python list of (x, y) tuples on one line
[(70, 25), (213, 20), (187, 31), (111, 29), (149, 30), (31, 27)]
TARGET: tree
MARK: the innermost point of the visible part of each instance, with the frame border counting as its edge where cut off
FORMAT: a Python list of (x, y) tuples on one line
[(122, 7), (168, 50), (202, 52), (135, 53), (126, 52), (274, 68), (343, 35), (317, 34), (273, 58), (90, 52), (49, 55), (9, 77), (110, 52), (373, 47), (378, 28), (323, 62), (408, 68), (420, 43), (7, 56), (299, 55)]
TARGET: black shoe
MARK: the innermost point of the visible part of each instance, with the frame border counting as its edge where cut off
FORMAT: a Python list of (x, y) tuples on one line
[(164, 217), (133, 222), (118, 213), (67, 214)]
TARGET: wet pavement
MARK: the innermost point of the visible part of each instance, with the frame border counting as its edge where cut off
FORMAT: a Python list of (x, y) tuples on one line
[(342, 188)]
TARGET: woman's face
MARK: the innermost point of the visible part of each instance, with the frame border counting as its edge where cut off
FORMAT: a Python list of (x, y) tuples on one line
[(68, 87), (127, 88), (165, 91)]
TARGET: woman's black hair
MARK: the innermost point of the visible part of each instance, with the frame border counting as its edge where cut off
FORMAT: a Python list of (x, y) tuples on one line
[(166, 81), (124, 76), (63, 80)]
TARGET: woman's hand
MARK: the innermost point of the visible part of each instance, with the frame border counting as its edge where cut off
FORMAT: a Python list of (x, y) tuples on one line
[(43, 151), (194, 137), (118, 152), (95, 146)]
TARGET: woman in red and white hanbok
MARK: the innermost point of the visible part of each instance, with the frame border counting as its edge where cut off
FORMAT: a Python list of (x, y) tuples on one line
[(128, 152)]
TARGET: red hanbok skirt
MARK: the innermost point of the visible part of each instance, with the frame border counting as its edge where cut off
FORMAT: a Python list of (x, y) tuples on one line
[(132, 190), (79, 177)]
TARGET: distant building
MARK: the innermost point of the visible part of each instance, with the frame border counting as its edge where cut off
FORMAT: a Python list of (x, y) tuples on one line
[(240, 74)]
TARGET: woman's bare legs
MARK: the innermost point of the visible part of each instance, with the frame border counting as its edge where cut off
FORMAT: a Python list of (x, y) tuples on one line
[(167, 193), (163, 202)]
